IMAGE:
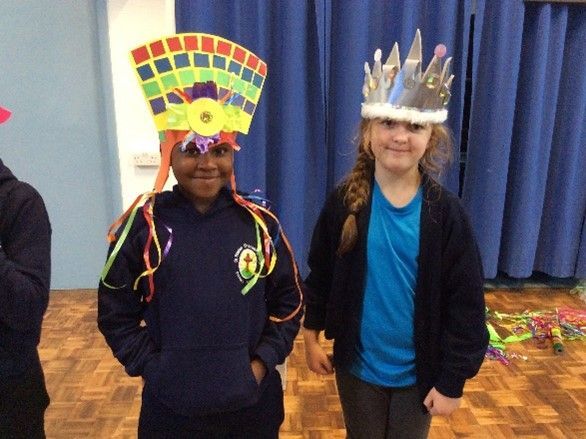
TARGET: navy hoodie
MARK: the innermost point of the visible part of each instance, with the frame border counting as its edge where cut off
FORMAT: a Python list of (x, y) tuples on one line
[(25, 269), (200, 332)]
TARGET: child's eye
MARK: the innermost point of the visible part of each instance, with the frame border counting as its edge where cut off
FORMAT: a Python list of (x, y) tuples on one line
[(190, 149), (416, 127), (219, 151), (389, 123)]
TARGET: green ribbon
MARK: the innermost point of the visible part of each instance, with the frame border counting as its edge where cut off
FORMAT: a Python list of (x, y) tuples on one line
[(117, 247), (499, 342), (259, 267)]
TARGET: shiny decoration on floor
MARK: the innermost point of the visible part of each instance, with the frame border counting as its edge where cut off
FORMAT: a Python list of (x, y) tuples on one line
[(546, 329)]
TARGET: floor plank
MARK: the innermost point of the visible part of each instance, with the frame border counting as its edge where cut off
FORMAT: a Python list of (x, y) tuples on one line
[(543, 397)]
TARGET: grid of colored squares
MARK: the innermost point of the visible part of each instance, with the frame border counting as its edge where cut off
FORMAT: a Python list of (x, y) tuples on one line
[(181, 60)]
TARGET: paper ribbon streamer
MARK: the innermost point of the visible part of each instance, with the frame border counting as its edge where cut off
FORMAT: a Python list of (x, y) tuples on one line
[(147, 201), (268, 249), (540, 326)]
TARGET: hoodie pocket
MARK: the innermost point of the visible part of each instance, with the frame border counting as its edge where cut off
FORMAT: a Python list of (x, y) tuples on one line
[(211, 379)]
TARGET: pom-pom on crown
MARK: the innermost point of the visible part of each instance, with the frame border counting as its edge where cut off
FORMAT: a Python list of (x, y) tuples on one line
[(406, 93)]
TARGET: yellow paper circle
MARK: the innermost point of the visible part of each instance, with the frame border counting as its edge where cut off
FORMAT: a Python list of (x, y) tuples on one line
[(206, 117)]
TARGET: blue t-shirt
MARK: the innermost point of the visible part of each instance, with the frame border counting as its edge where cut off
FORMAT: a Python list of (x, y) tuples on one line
[(385, 354)]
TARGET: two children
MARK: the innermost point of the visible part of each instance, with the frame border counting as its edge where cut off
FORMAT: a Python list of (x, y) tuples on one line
[(396, 278)]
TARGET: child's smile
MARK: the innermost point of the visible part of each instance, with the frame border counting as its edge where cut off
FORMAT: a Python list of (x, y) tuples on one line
[(398, 146), (202, 176)]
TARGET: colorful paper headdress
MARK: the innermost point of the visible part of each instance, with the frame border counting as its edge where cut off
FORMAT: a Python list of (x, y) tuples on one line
[(405, 93), (4, 114), (201, 87)]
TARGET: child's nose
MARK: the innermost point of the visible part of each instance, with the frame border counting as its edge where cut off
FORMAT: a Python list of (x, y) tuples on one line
[(206, 161), (400, 133)]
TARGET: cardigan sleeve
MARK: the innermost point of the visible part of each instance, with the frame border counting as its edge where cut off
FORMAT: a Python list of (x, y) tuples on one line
[(25, 259), (321, 261), (465, 336)]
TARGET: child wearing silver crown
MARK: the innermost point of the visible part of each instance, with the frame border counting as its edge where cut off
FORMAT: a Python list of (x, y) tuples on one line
[(200, 295), (395, 274)]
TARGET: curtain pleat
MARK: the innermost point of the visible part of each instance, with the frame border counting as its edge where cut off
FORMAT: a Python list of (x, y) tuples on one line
[(525, 186)]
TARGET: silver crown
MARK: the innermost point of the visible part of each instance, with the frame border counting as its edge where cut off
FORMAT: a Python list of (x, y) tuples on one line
[(392, 92)]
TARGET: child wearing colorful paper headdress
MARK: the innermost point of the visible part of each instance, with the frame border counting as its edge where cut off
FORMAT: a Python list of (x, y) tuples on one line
[(395, 275), (208, 270), (25, 274)]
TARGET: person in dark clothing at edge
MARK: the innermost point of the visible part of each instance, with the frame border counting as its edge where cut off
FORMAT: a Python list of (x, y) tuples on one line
[(25, 271), (207, 269), (395, 273)]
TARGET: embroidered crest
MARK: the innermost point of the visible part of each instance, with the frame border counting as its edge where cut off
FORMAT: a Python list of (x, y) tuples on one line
[(246, 261)]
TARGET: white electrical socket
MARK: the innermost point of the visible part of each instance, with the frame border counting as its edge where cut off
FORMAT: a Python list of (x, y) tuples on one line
[(148, 159)]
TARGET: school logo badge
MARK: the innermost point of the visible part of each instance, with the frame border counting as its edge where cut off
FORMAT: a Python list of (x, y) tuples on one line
[(246, 260)]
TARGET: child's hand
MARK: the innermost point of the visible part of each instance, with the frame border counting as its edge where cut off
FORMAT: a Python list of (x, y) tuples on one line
[(317, 359), (258, 369), (440, 405)]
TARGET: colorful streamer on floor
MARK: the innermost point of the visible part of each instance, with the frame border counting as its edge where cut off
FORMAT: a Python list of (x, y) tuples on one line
[(547, 329)]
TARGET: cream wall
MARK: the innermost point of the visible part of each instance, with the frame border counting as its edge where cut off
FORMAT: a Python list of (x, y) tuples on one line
[(130, 24)]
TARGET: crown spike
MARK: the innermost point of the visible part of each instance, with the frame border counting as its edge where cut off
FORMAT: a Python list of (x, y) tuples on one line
[(378, 55), (412, 65), (367, 71), (447, 69), (448, 83), (415, 51), (431, 77), (367, 81), (376, 67), (393, 59), (445, 94)]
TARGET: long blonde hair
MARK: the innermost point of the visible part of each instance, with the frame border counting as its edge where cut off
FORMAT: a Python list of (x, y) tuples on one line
[(356, 185)]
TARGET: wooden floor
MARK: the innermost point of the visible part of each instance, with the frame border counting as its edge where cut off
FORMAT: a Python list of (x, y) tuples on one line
[(543, 397)]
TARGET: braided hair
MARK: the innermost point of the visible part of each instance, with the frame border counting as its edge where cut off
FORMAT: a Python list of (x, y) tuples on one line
[(356, 187)]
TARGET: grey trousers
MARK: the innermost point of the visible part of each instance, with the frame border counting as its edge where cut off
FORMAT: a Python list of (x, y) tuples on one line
[(374, 412)]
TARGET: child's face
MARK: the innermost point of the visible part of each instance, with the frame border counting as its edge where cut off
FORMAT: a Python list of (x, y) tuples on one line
[(202, 176), (398, 146)]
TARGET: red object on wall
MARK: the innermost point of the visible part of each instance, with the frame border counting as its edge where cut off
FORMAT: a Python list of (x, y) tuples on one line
[(4, 115)]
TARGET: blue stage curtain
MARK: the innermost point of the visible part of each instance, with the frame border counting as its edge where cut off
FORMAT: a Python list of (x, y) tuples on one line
[(301, 140), (525, 185)]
